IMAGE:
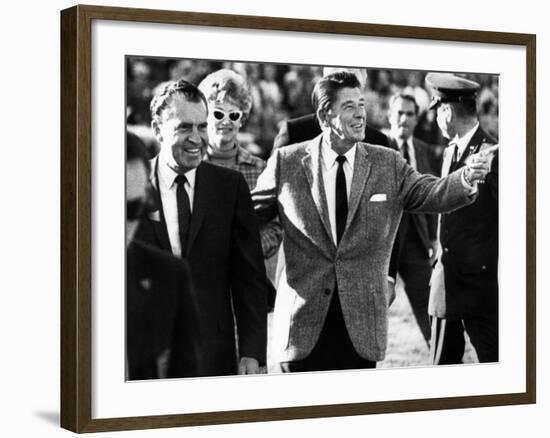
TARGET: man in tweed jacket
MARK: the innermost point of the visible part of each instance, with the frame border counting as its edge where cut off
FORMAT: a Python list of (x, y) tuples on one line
[(332, 300)]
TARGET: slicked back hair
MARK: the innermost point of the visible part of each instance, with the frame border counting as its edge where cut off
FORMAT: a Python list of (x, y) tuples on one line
[(326, 89), (163, 97)]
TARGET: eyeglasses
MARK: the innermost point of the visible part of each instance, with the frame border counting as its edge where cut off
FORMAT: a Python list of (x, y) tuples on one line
[(135, 209), (234, 116)]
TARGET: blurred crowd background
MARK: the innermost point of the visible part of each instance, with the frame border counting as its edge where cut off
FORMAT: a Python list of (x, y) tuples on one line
[(282, 91)]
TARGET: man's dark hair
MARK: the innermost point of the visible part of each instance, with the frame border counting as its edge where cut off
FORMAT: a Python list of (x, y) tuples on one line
[(404, 96), (136, 150), (465, 108), (325, 90), (163, 96)]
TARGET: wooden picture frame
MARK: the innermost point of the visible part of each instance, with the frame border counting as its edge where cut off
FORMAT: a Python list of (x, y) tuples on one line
[(76, 217)]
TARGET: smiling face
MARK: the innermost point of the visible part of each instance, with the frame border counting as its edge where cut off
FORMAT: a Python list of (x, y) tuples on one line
[(402, 118), (224, 122), (182, 133), (345, 120)]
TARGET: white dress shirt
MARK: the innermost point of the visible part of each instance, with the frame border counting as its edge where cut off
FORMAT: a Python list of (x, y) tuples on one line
[(329, 169), (168, 188)]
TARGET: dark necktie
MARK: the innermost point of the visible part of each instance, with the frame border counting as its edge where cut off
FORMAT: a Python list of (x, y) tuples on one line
[(341, 199), (454, 160), (184, 212), (406, 155)]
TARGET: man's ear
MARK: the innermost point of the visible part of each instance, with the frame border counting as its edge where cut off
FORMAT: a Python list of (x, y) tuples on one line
[(449, 112), (155, 126), (322, 118)]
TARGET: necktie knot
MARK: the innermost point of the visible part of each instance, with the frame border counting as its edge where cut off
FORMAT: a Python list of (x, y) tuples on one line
[(341, 159), (181, 180)]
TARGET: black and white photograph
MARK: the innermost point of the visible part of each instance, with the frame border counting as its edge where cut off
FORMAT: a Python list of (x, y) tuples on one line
[(292, 218)]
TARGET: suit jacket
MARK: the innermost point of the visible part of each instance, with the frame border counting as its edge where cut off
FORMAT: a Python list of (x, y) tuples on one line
[(226, 262), (383, 186), (307, 127), (469, 240), (158, 291), (425, 225)]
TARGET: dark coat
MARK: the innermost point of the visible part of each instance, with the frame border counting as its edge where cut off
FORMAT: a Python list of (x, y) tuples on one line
[(307, 127), (469, 241), (158, 289), (226, 262), (425, 224)]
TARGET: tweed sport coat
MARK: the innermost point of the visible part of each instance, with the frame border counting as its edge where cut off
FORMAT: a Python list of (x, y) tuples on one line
[(383, 186)]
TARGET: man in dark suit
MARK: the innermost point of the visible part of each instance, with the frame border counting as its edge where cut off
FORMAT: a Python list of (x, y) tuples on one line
[(158, 285), (205, 216), (340, 201), (464, 289), (417, 233)]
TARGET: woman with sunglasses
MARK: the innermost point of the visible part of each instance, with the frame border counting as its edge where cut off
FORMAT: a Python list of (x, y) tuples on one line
[(229, 104)]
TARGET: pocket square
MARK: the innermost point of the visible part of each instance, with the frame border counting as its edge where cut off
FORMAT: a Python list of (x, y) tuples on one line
[(378, 197), (154, 216)]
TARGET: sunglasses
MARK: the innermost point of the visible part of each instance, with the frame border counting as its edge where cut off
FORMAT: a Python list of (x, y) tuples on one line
[(234, 116), (135, 209)]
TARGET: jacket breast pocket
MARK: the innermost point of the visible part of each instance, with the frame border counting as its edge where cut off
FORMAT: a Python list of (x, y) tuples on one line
[(379, 220)]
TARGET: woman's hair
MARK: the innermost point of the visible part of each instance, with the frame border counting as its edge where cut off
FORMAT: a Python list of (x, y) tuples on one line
[(226, 85)]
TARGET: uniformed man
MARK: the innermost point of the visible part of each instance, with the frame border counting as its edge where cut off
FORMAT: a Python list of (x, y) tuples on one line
[(464, 284)]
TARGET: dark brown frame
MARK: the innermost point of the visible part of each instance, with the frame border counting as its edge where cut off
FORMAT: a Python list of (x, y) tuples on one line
[(76, 175)]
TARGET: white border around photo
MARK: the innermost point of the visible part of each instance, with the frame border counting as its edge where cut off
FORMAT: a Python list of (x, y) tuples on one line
[(113, 397)]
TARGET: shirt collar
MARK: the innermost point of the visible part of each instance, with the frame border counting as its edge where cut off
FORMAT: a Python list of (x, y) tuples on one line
[(329, 156), (463, 142), (167, 175)]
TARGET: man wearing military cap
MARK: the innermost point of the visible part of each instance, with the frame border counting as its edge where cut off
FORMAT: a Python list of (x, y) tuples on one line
[(464, 285)]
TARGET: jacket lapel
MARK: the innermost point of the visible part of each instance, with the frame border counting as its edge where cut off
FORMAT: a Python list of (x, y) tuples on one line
[(473, 146), (361, 171), (159, 223), (204, 193), (312, 166)]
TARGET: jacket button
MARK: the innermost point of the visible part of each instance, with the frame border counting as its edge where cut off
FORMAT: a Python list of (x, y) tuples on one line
[(445, 249), (327, 292), (484, 268)]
